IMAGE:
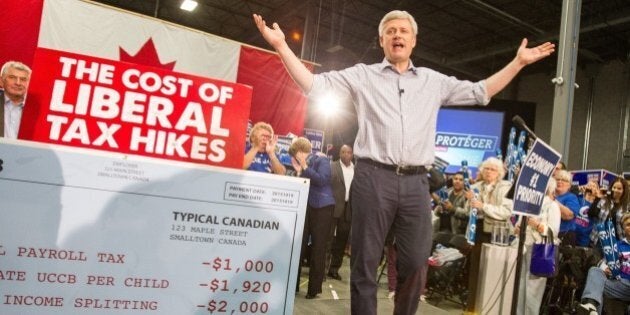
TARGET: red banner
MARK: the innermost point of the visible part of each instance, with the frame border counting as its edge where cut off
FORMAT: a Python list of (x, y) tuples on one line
[(89, 102), (276, 99)]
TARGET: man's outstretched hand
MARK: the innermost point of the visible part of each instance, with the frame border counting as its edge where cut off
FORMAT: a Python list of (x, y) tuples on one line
[(528, 56), (274, 36)]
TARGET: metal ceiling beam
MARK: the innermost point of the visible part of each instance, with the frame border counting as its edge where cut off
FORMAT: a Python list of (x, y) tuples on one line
[(505, 16), (506, 49), (279, 14)]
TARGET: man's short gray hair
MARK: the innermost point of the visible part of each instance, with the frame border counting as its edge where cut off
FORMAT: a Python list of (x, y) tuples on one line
[(395, 15), (15, 65)]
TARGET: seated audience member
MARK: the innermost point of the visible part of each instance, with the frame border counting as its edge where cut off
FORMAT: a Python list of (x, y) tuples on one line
[(15, 79), (319, 212), (261, 155), (612, 206), (598, 283), (493, 208), (454, 208), (569, 207), (456, 203), (531, 288), (584, 224)]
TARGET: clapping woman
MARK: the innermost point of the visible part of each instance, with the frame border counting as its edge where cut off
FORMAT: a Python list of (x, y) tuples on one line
[(493, 208)]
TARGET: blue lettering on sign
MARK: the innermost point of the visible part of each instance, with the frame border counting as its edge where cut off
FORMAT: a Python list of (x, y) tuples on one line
[(467, 141)]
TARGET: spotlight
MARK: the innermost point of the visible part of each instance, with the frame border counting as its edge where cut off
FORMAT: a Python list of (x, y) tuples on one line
[(188, 5), (328, 105)]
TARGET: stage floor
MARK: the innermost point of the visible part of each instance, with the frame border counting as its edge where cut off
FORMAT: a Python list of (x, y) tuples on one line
[(335, 297)]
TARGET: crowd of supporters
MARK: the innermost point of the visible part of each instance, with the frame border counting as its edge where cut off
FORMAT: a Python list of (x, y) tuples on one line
[(570, 213)]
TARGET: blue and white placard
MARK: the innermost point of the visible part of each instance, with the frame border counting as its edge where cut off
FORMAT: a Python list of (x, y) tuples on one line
[(532, 180)]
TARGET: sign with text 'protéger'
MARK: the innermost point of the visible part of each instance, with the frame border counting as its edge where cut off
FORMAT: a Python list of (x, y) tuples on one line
[(86, 233)]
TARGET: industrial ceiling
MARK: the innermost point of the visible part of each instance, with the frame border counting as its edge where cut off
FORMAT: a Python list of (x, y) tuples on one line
[(466, 38)]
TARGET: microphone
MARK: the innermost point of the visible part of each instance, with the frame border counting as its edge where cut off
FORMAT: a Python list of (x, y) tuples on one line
[(520, 123)]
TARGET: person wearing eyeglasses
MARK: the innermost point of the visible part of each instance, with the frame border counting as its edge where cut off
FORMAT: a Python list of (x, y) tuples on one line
[(261, 155), (569, 207), (492, 208)]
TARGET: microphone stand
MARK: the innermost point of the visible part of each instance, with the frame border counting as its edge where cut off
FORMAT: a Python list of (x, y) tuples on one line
[(521, 245)]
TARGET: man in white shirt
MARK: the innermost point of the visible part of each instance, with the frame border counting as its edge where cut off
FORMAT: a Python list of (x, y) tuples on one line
[(15, 79)]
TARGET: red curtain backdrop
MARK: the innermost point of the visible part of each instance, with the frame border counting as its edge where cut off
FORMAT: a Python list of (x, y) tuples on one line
[(19, 29), (276, 98)]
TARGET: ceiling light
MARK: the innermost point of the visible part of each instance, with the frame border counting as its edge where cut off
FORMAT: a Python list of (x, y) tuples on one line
[(188, 5)]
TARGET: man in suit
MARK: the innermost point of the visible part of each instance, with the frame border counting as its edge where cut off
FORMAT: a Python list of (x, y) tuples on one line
[(15, 79), (342, 174)]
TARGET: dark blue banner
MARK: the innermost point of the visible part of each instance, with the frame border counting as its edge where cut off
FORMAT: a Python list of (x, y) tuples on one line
[(316, 137), (532, 181), (603, 177)]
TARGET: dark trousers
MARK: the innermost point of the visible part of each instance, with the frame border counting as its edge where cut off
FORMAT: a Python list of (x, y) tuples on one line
[(341, 230), (380, 200), (392, 275), (481, 237), (317, 229), (567, 238)]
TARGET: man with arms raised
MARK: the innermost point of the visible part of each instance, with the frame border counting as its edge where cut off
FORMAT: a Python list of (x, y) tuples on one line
[(397, 105)]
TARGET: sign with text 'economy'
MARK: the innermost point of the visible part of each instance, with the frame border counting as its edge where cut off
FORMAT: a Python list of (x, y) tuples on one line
[(532, 180), (89, 102), (102, 233)]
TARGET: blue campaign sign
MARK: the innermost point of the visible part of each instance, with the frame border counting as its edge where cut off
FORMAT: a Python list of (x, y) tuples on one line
[(603, 177), (471, 135), (532, 180), (316, 137), (607, 179), (582, 177)]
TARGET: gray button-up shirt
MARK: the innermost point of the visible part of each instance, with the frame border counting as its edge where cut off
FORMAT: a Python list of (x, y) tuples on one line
[(397, 113)]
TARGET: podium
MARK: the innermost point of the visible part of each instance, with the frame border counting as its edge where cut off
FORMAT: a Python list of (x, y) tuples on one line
[(496, 279)]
